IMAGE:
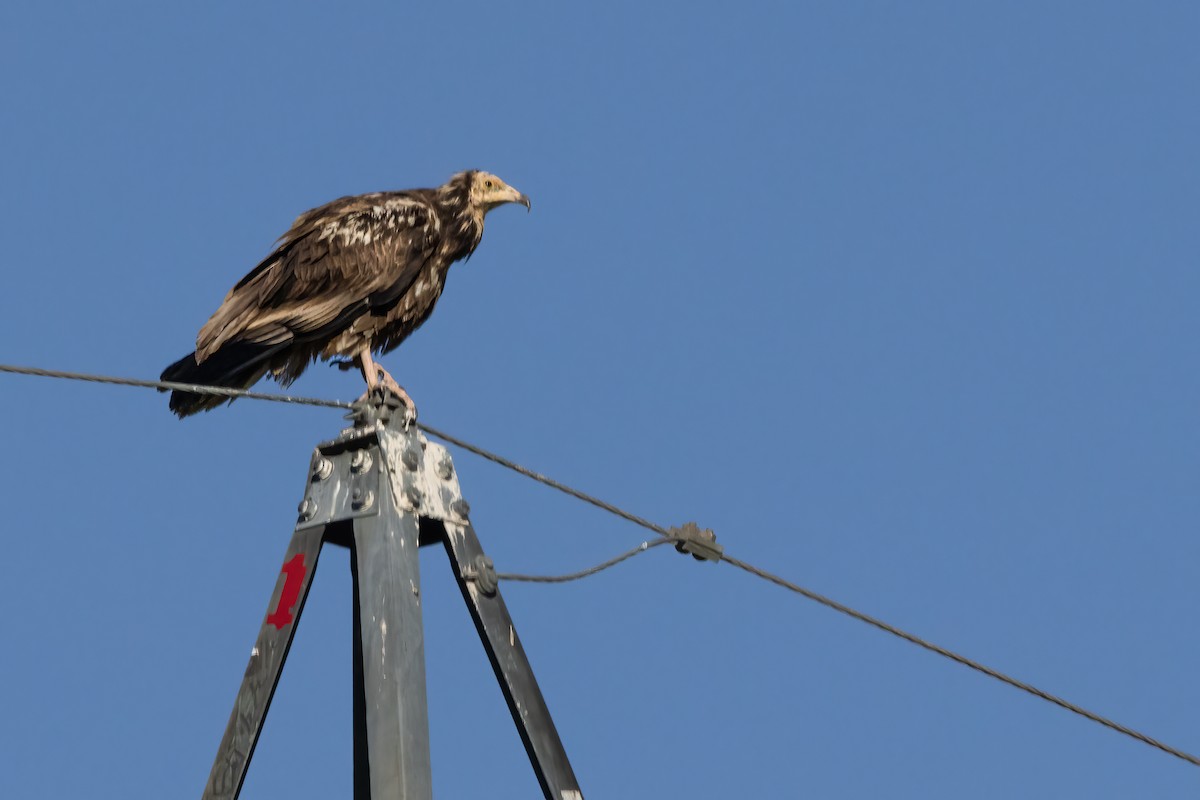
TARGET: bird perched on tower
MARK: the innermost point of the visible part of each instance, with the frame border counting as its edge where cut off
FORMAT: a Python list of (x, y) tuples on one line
[(349, 279)]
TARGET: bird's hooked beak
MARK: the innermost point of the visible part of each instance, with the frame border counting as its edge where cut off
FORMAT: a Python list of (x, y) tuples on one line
[(510, 195), (491, 192), (520, 197)]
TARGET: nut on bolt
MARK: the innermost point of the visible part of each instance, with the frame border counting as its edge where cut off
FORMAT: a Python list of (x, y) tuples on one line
[(360, 461), (322, 468), (415, 496), (307, 509), (411, 457), (482, 571), (361, 498), (461, 507), (445, 467)]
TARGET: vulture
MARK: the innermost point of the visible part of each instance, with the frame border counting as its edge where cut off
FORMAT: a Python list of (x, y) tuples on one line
[(349, 279)]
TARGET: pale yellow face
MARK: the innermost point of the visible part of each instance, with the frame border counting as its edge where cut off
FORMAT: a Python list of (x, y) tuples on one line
[(488, 192)]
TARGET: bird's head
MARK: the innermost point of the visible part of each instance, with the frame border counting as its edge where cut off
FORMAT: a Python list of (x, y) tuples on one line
[(487, 192)]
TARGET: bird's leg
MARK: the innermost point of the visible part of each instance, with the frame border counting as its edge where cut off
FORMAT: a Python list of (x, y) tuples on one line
[(389, 383), (370, 370), (378, 378)]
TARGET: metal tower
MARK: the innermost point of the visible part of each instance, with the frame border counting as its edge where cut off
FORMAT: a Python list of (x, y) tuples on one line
[(382, 490)]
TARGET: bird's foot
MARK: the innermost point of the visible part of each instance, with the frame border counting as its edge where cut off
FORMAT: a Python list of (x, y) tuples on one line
[(378, 395), (388, 383)]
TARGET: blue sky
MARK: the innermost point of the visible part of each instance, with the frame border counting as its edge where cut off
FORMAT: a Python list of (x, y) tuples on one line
[(900, 299)]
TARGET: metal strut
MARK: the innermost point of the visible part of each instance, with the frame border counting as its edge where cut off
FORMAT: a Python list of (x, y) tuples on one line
[(383, 490)]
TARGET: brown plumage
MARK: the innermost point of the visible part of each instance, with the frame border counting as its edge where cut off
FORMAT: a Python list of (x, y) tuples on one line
[(350, 278)]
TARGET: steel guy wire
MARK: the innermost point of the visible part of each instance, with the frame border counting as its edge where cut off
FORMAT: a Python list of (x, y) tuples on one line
[(583, 573), (553, 484), (953, 656), (222, 391), (660, 530)]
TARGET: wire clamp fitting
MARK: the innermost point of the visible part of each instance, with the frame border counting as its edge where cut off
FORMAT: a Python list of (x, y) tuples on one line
[(701, 543)]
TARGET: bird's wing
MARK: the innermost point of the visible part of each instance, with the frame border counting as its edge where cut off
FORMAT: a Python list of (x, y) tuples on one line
[(336, 263)]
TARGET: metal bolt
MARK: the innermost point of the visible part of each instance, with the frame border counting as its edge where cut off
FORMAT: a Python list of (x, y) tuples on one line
[(411, 458), (361, 498), (445, 467), (414, 495), (322, 469), (461, 507), (360, 461), (482, 571), (307, 508)]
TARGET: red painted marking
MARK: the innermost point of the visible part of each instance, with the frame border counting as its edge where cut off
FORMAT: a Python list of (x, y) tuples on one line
[(295, 571)]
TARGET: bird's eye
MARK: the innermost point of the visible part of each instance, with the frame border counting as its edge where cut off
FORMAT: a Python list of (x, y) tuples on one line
[(488, 184)]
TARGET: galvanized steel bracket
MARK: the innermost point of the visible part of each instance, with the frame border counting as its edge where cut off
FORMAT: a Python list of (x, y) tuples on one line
[(345, 475), (343, 482), (423, 477)]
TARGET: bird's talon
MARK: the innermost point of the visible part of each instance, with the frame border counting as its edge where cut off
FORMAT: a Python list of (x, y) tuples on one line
[(410, 415), (385, 395)]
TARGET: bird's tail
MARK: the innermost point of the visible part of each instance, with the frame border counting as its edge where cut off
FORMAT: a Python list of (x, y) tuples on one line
[(237, 365)]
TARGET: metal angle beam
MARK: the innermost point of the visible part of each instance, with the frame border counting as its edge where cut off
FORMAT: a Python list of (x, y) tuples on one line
[(477, 579), (391, 643), (266, 663)]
